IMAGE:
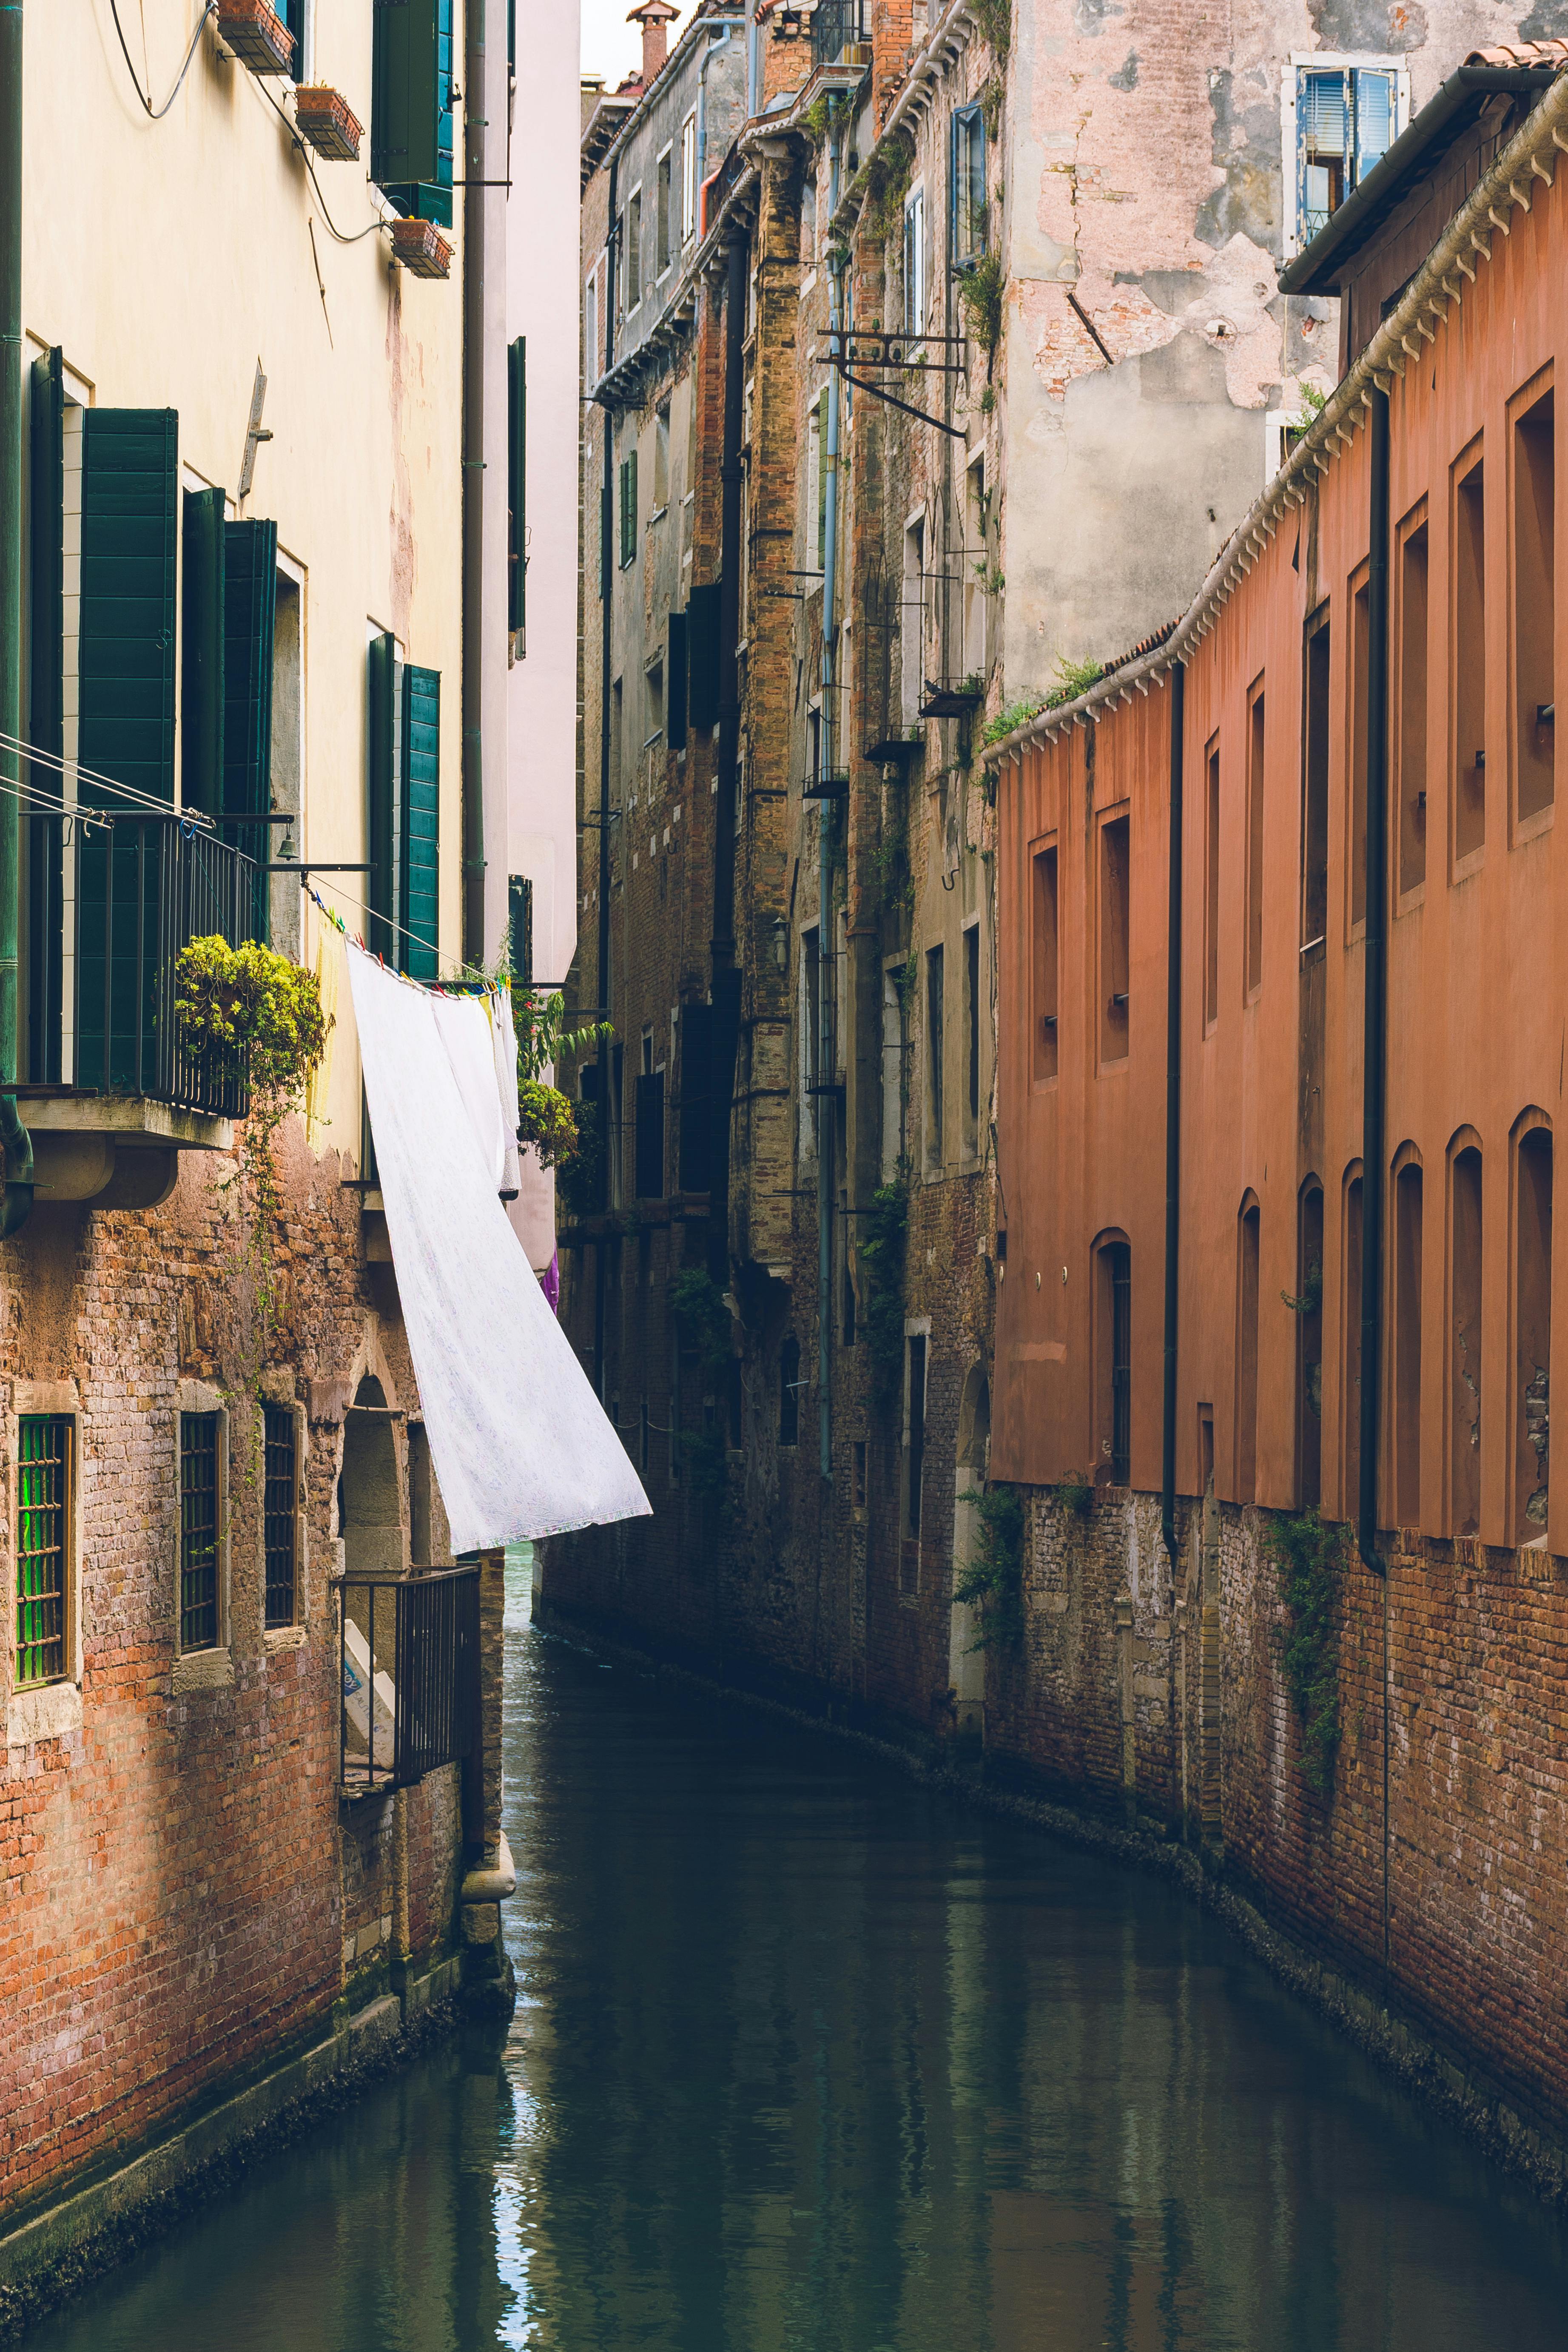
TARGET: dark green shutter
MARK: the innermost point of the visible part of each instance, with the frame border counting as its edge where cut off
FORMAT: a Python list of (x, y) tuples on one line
[(411, 106), (696, 1127), (46, 721), (702, 654), (202, 676), (520, 927), (420, 861), (675, 685), (648, 1146), (249, 625), (516, 482), (382, 827)]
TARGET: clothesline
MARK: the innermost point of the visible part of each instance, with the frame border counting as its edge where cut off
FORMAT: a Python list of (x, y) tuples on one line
[(430, 988)]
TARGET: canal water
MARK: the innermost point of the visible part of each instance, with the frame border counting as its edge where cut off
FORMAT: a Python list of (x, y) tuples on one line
[(807, 2059)]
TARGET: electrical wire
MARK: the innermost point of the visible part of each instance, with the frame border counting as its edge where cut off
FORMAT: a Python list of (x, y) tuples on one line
[(156, 114), (361, 908), (293, 130), (18, 747)]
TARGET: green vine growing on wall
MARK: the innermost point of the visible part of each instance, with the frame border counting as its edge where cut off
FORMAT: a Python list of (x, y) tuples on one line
[(994, 20), (880, 1248), (981, 291), (1309, 1554), (884, 182), (993, 1583)]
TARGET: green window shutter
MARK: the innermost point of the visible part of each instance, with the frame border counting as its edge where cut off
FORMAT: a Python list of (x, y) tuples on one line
[(249, 618), (46, 716), (411, 106), (382, 827), (517, 481), (702, 654), (129, 529), (675, 685), (420, 861), (202, 676)]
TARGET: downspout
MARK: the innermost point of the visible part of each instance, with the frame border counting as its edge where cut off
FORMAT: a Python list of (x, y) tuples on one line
[(606, 586), (19, 1200), (725, 989), (474, 172), (1173, 1122), (828, 961), (1376, 1046)]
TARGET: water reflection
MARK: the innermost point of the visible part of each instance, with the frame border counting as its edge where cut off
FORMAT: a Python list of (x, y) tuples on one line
[(805, 2059)]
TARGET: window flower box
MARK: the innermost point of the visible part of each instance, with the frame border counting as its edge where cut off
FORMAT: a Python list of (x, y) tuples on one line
[(327, 120), (257, 36), (421, 247)]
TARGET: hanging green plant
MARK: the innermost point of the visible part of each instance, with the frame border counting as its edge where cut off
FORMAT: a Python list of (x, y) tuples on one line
[(548, 1120), (881, 1249), (1309, 1554), (993, 1583)]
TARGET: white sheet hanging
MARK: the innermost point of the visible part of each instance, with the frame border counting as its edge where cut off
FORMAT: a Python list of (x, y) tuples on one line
[(521, 1443), (503, 1037), (463, 1026)]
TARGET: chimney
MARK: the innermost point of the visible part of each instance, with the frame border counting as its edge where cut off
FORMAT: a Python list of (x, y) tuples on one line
[(655, 17)]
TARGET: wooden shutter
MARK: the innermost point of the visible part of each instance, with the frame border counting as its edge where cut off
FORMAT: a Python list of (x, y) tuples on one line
[(202, 675), (702, 654), (382, 815), (250, 612), (650, 1112), (516, 482), (46, 716), (421, 825), (696, 1125), (675, 685), (411, 106)]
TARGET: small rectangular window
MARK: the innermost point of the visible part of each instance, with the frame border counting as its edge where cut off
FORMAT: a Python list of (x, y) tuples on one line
[(1532, 1334), (935, 1044), (1412, 711), (1534, 635), (280, 1516), (688, 178), (45, 1471), (199, 1504), (971, 1031), (1248, 1252), (1257, 737), (968, 208), (634, 251), (662, 216), (591, 331), (892, 1078), (915, 263), (911, 621), (628, 509), (1315, 793), (1361, 676), (1470, 665), (1114, 980), (1349, 1319), (1113, 1364), (1408, 1347), (661, 454), (649, 1143), (1045, 966), (916, 1449), (1464, 1344), (1211, 886)]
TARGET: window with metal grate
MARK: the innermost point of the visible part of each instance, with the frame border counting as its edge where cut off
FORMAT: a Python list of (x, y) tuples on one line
[(198, 1531), (44, 1470), (279, 1523)]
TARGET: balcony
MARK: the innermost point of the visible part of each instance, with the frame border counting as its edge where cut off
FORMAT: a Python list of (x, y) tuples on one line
[(112, 1096), (837, 27), (408, 1675)]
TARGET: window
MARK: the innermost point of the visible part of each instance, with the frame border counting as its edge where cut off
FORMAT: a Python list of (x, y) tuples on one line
[(976, 572), (649, 1141), (1255, 742), (971, 1036), (1347, 116), (1411, 708), (662, 225), (661, 455), (629, 503), (199, 1501), (1114, 1359), (915, 1435), (411, 107), (1115, 850), (1534, 693), (280, 1521), (967, 219), (1532, 1333), (915, 262), (789, 1392), (1361, 672), (935, 1042), (1465, 1343), (815, 484), (592, 293), (517, 483), (912, 620), (1315, 789), (1248, 1237), (810, 1036), (892, 1078), (1469, 663), (1045, 965), (1407, 1346), (634, 251), (1211, 886), (688, 178), (1350, 1325), (46, 1469), (1308, 1307)]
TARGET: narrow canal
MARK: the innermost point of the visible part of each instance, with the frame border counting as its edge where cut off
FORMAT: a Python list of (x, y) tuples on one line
[(807, 2059)]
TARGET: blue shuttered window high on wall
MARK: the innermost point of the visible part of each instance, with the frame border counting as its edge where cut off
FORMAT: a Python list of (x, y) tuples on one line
[(421, 828), (249, 623), (202, 632), (411, 107)]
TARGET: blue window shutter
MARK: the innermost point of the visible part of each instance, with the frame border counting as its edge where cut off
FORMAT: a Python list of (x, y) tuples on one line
[(202, 676), (516, 482), (251, 609), (411, 106), (420, 861), (46, 715), (675, 685), (381, 811)]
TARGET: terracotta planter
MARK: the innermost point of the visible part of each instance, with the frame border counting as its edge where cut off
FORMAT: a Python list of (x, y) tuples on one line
[(326, 120), (257, 36), (421, 247)]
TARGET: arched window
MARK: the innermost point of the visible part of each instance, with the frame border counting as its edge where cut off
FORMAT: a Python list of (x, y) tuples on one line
[(1308, 1304), (1406, 1366), (1113, 1358), (789, 1392), (1350, 1352), (1464, 1343), (1248, 1236), (1532, 1333)]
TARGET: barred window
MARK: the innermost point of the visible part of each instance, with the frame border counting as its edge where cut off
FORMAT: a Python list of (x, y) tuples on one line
[(198, 1531), (277, 1514), (44, 1472)]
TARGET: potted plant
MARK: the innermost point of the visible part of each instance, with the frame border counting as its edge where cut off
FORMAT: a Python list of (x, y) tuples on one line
[(327, 121), (421, 247), (256, 34)]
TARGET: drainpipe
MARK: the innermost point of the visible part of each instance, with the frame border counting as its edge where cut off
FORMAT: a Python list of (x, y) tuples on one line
[(606, 590), (1173, 1122), (725, 989), (474, 172), (1375, 1046), (828, 961), (18, 1199)]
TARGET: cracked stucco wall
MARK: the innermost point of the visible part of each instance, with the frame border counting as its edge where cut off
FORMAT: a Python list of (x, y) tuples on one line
[(1146, 340)]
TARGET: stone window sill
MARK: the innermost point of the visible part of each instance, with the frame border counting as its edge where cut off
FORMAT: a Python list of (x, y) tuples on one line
[(284, 1637), (203, 1670), (48, 1714)]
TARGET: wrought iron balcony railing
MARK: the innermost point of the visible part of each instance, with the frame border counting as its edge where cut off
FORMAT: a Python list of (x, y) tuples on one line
[(837, 26), (408, 1675), (112, 899)]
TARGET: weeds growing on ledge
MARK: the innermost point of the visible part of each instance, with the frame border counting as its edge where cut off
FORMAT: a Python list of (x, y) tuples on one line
[(1309, 1554), (993, 1583)]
